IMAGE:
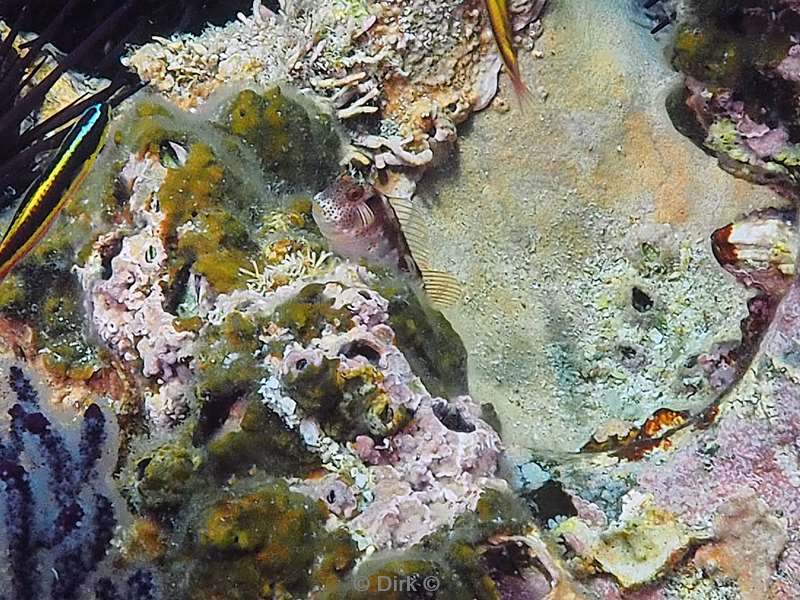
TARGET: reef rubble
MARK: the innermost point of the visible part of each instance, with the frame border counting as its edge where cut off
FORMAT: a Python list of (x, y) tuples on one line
[(400, 76)]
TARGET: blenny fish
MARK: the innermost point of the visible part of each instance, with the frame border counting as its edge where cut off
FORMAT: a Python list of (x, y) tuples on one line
[(51, 191), (359, 222), (503, 31)]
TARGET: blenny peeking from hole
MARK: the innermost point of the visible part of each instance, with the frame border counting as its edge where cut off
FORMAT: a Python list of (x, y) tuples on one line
[(359, 222)]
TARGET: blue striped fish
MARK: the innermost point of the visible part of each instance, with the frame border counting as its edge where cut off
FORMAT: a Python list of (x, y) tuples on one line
[(51, 191)]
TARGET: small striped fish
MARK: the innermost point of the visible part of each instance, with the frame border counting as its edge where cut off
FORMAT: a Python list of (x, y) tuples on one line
[(48, 195)]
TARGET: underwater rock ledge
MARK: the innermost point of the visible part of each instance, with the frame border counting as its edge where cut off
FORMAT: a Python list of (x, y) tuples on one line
[(292, 423)]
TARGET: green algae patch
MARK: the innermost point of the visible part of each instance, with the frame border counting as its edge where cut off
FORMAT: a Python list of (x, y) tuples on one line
[(211, 239), (270, 542), (346, 404), (229, 360), (281, 130), (218, 248), (453, 559), (708, 55), (427, 340), (238, 431), (61, 335), (404, 578), (166, 475), (713, 50), (309, 312), (43, 293), (192, 189), (153, 124), (263, 441)]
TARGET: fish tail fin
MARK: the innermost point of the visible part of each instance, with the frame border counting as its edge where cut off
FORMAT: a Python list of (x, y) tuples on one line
[(442, 288), (522, 92)]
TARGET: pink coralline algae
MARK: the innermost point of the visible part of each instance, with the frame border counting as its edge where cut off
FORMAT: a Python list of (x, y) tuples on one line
[(428, 473), (753, 454), (413, 480), (127, 307)]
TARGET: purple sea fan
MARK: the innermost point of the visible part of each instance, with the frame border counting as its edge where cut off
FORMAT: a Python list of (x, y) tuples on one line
[(57, 520)]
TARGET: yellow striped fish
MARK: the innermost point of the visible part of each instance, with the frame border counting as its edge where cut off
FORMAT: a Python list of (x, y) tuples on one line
[(48, 195), (503, 37)]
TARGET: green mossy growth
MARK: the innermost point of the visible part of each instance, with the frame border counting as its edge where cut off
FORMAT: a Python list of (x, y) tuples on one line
[(43, 292), (262, 440), (317, 389), (215, 243), (217, 247), (193, 189), (453, 557), (266, 542), (449, 564), (165, 476), (228, 359), (308, 313), (428, 341), (711, 56), (347, 404), (496, 512), (154, 123), (60, 336), (281, 130), (403, 578), (724, 45)]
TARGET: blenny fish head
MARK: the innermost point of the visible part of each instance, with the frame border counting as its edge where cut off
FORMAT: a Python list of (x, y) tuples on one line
[(342, 206)]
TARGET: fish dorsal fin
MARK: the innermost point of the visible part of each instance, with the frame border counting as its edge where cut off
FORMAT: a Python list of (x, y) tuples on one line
[(403, 208), (442, 288), (414, 229)]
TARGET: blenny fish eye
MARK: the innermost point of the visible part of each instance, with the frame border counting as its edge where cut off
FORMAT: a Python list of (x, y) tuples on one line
[(297, 304)]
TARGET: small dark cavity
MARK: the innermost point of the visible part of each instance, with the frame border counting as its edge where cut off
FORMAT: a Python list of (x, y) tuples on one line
[(360, 348), (331, 497), (509, 559), (364, 295), (7, 196), (551, 501), (121, 192), (640, 300), (301, 364), (174, 294), (452, 418), (213, 416), (627, 352), (141, 467)]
